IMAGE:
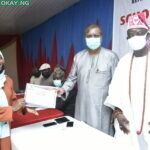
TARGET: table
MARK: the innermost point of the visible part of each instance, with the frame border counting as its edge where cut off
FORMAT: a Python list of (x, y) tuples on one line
[(45, 114), (59, 137)]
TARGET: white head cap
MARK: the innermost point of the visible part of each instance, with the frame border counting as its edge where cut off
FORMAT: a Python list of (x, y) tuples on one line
[(1, 55), (44, 66)]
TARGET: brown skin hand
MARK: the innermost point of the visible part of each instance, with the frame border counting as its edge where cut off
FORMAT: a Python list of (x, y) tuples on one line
[(123, 123)]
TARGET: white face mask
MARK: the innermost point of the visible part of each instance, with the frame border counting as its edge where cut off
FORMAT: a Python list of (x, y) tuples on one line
[(57, 83), (137, 42), (93, 43)]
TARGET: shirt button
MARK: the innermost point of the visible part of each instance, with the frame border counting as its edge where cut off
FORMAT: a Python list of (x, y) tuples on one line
[(148, 123)]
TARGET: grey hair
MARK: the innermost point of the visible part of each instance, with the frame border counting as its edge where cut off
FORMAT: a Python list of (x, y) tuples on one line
[(91, 26)]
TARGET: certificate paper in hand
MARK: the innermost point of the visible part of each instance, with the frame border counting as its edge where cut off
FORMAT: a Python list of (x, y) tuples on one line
[(40, 96)]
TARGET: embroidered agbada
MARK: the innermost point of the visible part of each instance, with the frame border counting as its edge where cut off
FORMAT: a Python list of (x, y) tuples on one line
[(93, 75), (119, 97)]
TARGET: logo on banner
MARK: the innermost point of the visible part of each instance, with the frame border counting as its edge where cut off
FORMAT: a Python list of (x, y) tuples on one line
[(135, 1), (124, 19)]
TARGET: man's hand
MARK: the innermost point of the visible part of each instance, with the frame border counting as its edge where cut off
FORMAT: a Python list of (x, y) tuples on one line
[(20, 103), (123, 123), (32, 111), (60, 91)]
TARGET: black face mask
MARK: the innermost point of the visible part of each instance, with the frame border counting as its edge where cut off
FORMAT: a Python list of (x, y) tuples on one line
[(2, 69), (36, 74), (46, 74)]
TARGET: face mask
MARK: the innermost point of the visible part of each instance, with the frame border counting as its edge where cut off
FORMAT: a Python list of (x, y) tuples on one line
[(57, 83), (46, 74), (137, 42), (93, 43)]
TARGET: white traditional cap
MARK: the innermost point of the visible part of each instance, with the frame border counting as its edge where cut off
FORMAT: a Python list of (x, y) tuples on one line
[(137, 20), (1, 55), (44, 66)]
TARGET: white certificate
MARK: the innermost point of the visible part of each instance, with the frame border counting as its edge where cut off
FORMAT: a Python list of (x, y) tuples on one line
[(40, 96)]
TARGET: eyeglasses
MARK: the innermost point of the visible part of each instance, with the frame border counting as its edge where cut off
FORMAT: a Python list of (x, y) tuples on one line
[(93, 35), (136, 32)]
